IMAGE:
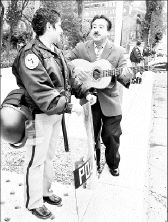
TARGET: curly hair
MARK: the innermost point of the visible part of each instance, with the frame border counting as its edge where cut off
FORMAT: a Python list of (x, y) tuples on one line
[(109, 24), (41, 17)]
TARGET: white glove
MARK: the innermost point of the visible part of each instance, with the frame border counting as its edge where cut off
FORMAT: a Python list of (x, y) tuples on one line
[(91, 99), (76, 107), (139, 75)]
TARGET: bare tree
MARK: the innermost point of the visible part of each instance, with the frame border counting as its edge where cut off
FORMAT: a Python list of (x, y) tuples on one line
[(80, 8)]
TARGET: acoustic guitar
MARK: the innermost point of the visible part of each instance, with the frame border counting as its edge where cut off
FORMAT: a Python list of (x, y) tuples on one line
[(104, 72)]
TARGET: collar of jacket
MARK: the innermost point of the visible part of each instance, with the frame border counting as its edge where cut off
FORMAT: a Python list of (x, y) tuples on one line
[(101, 46), (106, 51), (39, 44)]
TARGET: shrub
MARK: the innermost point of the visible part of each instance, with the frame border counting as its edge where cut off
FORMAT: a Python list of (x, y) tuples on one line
[(6, 61), (16, 38)]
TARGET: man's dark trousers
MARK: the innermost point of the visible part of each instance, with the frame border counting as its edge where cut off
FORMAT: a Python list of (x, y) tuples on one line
[(110, 133)]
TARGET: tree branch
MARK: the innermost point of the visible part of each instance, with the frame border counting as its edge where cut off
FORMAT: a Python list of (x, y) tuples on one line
[(26, 18), (24, 5)]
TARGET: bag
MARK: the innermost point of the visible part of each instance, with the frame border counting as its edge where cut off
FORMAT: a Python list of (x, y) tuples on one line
[(133, 57)]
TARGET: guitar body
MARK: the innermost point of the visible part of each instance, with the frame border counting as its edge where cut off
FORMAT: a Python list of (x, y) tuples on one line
[(102, 78), (91, 80)]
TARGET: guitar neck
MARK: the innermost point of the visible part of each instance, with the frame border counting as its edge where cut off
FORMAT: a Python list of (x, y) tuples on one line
[(118, 71)]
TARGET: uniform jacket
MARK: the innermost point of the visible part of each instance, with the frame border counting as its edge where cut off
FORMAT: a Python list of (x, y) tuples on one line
[(108, 97), (44, 84)]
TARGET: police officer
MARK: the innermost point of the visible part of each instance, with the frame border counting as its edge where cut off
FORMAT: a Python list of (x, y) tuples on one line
[(41, 70), (137, 61)]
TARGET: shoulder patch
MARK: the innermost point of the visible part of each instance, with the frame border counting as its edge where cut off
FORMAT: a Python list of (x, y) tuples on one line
[(31, 61)]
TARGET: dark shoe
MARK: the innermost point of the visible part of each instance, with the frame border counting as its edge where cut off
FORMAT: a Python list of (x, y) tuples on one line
[(115, 172), (41, 212), (53, 199)]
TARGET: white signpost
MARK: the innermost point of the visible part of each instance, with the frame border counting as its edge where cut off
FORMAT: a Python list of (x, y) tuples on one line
[(81, 143), (118, 22)]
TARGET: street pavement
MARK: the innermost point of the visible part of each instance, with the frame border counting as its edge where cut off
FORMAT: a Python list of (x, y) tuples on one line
[(113, 199)]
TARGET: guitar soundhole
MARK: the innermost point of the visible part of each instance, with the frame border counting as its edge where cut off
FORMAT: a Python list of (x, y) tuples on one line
[(96, 74)]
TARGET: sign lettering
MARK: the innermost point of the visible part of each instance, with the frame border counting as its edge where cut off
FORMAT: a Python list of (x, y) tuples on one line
[(82, 174)]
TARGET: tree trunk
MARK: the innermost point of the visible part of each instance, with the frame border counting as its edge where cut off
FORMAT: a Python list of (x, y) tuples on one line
[(8, 47), (80, 8), (2, 15), (148, 21), (146, 37)]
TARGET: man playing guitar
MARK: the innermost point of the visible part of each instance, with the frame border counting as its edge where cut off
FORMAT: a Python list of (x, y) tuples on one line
[(106, 111)]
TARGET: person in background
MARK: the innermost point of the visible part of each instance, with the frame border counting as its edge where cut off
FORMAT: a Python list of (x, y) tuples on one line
[(147, 53), (41, 70), (138, 27), (106, 111), (137, 61)]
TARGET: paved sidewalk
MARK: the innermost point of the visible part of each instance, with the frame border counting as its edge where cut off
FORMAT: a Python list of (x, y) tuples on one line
[(121, 199), (115, 199), (156, 179)]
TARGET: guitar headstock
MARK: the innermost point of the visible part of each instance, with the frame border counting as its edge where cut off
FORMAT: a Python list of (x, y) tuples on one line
[(158, 67)]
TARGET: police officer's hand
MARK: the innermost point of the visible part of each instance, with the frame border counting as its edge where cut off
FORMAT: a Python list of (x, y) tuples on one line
[(91, 99), (138, 78), (77, 108), (138, 74)]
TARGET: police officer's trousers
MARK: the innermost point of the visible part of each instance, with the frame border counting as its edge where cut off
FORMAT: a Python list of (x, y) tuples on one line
[(38, 160)]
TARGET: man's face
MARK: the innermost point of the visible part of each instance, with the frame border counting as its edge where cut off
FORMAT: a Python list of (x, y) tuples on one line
[(56, 32), (99, 30)]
